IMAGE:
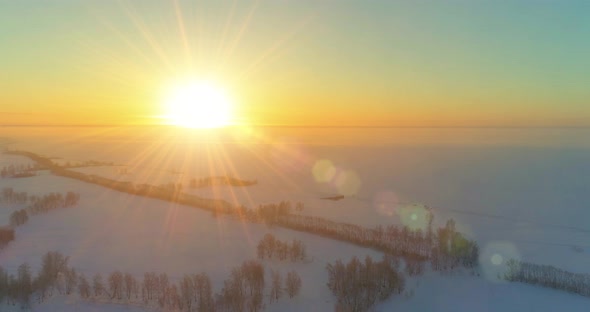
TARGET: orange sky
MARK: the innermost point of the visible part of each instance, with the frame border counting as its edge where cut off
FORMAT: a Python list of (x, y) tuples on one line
[(389, 63)]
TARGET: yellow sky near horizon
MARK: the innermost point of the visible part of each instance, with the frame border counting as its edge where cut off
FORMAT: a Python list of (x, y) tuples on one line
[(323, 63)]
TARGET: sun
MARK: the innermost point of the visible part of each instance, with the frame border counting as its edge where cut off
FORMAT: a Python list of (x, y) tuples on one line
[(198, 104)]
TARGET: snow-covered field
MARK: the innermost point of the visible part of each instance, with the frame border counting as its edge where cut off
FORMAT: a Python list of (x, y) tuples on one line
[(116, 231), (468, 293), (532, 199), (523, 198)]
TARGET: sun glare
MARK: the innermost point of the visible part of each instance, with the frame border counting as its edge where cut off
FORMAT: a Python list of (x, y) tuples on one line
[(198, 104)]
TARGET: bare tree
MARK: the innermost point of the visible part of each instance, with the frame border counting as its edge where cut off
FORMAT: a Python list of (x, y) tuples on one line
[(276, 288), (130, 285), (83, 286), (98, 285), (70, 279), (293, 284), (116, 284), (187, 291), (203, 293)]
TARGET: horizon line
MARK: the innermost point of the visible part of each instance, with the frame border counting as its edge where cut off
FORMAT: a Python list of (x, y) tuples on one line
[(296, 126)]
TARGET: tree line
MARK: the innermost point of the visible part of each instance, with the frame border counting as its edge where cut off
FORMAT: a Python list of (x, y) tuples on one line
[(270, 247), (358, 285), (43, 204), (37, 205), (244, 290), (19, 171), (222, 180), (547, 276), (10, 196), (445, 248), (86, 163)]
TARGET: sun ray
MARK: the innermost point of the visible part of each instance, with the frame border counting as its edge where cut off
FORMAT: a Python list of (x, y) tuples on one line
[(229, 51), (183, 36), (226, 28), (144, 30), (264, 56)]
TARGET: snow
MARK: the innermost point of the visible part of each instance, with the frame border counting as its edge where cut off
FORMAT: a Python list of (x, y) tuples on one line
[(520, 195), (471, 293), (62, 303), (117, 231), (534, 198)]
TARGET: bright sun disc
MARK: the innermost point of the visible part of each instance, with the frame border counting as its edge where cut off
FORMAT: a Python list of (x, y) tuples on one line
[(198, 105)]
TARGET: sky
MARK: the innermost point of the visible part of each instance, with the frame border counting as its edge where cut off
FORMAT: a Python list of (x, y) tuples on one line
[(300, 62)]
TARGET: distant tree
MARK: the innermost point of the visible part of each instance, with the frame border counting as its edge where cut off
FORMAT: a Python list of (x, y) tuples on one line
[(83, 286), (3, 284), (299, 206), (19, 217), (131, 286), (187, 291), (149, 286), (297, 250), (293, 284), (24, 281), (358, 285), (203, 293), (98, 285), (164, 289), (116, 284), (276, 289), (70, 279)]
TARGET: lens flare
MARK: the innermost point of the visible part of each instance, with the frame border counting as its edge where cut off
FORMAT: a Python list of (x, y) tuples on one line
[(348, 183), (324, 171), (414, 216), (493, 259)]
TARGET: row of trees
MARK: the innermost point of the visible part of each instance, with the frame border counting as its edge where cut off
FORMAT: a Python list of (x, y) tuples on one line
[(547, 276), (446, 248), (453, 250), (19, 217), (271, 213), (271, 248), (53, 201), (213, 181), (86, 163), (19, 171), (39, 203), (243, 291), (10, 196), (43, 204), (169, 192), (359, 285)]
